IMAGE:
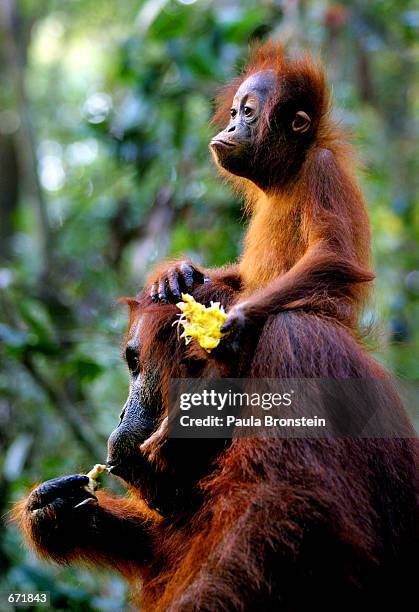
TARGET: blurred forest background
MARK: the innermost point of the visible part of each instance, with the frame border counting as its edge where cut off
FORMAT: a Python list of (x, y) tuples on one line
[(105, 169)]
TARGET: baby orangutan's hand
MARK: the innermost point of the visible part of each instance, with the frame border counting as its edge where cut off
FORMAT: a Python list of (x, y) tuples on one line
[(179, 278), (236, 318)]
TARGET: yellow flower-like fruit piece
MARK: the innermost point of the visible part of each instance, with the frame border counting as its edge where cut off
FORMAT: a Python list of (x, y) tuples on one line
[(201, 322), (93, 475)]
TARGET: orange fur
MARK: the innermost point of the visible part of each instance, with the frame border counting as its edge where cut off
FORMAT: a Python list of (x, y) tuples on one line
[(267, 524), (319, 204), (263, 524), (307, 245)]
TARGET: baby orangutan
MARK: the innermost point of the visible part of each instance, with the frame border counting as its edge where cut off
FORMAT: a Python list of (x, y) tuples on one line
[(308, 241)]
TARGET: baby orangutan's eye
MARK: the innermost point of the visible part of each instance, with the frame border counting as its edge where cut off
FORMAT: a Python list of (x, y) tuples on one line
[(233, 112)]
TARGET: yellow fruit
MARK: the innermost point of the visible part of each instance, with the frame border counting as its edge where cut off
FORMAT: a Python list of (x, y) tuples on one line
[(96, 471), (93, 475), (201, 322)]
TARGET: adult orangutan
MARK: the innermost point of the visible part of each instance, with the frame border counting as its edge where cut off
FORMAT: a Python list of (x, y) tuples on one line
[(249, 524), (308, 241)]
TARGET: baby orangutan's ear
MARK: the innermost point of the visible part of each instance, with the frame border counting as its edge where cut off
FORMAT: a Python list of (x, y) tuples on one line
[(301, 122)]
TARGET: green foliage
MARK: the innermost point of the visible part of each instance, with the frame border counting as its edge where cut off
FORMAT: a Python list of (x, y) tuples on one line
[(119, 96)]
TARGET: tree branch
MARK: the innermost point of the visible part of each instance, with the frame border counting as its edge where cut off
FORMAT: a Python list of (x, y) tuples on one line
[(25, 136), (61, 402)]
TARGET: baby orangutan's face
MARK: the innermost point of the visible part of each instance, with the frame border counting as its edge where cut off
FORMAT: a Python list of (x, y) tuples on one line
[(234, 148), (264, 135)]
